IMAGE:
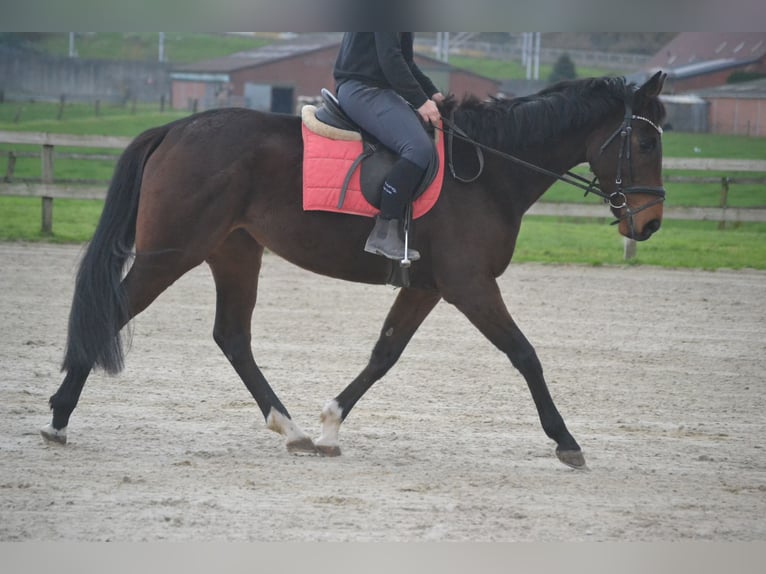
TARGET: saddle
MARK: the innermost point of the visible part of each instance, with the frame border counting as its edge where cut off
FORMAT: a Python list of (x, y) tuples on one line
[(375, 160)]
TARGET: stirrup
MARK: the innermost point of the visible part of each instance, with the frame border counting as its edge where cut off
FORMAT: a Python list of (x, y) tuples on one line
[(406, 261)]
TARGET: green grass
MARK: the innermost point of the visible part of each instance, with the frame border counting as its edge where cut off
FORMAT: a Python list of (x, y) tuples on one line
[(179, 48), (82, 119), (677, 144), (74, 220), (678, 244), (77, 119)]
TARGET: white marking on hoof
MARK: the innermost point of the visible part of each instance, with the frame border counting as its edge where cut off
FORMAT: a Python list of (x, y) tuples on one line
[(297, 440), (332, 415), (51, 434)]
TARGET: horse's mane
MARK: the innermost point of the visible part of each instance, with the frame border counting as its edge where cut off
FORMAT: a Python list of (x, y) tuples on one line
[(565, 106)]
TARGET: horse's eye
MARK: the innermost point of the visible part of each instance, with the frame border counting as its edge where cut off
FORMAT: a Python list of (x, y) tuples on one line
[(647, 145)]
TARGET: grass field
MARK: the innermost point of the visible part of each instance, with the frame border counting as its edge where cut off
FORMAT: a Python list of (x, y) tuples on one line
[(179, 48), (681, 244)]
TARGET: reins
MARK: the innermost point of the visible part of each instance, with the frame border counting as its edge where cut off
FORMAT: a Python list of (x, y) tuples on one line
[(616, 199), (453, 131)]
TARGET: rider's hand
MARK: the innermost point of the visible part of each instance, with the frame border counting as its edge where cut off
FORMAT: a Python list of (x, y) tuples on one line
[(429, 112)]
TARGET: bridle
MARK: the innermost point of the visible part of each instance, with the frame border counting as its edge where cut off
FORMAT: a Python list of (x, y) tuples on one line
[(618, 199)]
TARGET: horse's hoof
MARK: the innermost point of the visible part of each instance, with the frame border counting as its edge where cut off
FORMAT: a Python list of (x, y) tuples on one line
[(53, 435), (302, 446), (572, 458), (328, 450)]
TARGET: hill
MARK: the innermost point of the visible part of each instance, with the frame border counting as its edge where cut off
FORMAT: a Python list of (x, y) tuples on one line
[(189, 47), (178, 48), (646, 43)]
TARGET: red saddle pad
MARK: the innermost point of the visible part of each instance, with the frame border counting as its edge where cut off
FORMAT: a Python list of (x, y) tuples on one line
[(326, 163)]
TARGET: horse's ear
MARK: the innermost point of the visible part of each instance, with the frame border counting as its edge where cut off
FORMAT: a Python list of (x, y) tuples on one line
[(653, 86)]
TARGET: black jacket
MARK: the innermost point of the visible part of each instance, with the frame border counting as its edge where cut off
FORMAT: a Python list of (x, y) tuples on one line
[(384, 60)]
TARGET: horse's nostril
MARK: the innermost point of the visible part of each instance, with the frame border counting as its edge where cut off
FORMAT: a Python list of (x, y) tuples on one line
[(651, 227), (647, 231)]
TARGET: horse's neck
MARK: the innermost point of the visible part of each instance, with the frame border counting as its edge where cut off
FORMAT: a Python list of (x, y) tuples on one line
[(555, 157)]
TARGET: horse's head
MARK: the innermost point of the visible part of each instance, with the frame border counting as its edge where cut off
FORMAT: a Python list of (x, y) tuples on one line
[(626, 156)]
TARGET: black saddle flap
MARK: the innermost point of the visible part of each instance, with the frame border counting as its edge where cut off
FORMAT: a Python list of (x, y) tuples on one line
[(376, 166), (376, 160)]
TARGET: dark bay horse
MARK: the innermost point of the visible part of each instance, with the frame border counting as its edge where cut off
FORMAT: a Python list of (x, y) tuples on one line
[(220, 186)]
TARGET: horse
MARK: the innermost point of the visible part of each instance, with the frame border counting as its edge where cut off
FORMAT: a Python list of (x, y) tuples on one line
[(222, 185)]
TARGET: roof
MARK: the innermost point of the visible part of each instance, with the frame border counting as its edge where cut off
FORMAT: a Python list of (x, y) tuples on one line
[(690, 48), (298, 46), (701, 68)]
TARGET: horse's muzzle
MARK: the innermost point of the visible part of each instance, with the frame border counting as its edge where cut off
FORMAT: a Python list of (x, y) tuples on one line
[(649, 229)]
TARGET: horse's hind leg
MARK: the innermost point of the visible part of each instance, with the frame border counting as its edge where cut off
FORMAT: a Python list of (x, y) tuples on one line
[(148, 277), (235, 266), (407, 314), (63, 402)]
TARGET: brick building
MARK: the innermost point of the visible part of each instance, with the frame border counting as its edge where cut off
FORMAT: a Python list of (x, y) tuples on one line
[(278, 77), (737, 109), (700, 68), (697, 60)]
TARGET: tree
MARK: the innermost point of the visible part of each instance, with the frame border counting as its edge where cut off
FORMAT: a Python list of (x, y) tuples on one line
[(563, 69)]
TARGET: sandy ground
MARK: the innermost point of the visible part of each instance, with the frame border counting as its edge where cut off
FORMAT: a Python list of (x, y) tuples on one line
[(658, 373)]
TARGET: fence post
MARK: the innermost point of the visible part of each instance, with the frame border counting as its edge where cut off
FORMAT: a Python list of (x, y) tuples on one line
[(629, 248), (11, 167), (62, 103), (724, 201), (47, 177)]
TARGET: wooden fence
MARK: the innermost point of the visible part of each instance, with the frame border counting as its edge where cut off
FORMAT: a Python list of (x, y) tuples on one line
[(48, 188)]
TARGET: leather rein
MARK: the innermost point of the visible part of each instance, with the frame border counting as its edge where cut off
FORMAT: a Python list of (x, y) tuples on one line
[(616, 200)]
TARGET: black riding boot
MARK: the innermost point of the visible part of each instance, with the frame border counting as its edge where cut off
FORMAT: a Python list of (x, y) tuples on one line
[(387, 237)]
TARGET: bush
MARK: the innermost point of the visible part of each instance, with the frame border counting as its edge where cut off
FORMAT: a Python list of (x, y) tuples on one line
[(563, 69), (741, 76)]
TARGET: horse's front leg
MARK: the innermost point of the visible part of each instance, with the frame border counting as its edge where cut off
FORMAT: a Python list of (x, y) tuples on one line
[(482, 303), (406, 315)]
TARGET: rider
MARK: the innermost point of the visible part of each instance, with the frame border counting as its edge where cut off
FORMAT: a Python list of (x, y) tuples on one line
[(379, 86)]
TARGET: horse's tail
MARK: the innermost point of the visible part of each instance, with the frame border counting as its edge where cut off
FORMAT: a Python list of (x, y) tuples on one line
[(99, 306)]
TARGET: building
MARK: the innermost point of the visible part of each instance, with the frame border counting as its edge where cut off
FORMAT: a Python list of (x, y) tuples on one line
[(686, 113), (280, 76), (707, 88), (698, 60), (737, 109)]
